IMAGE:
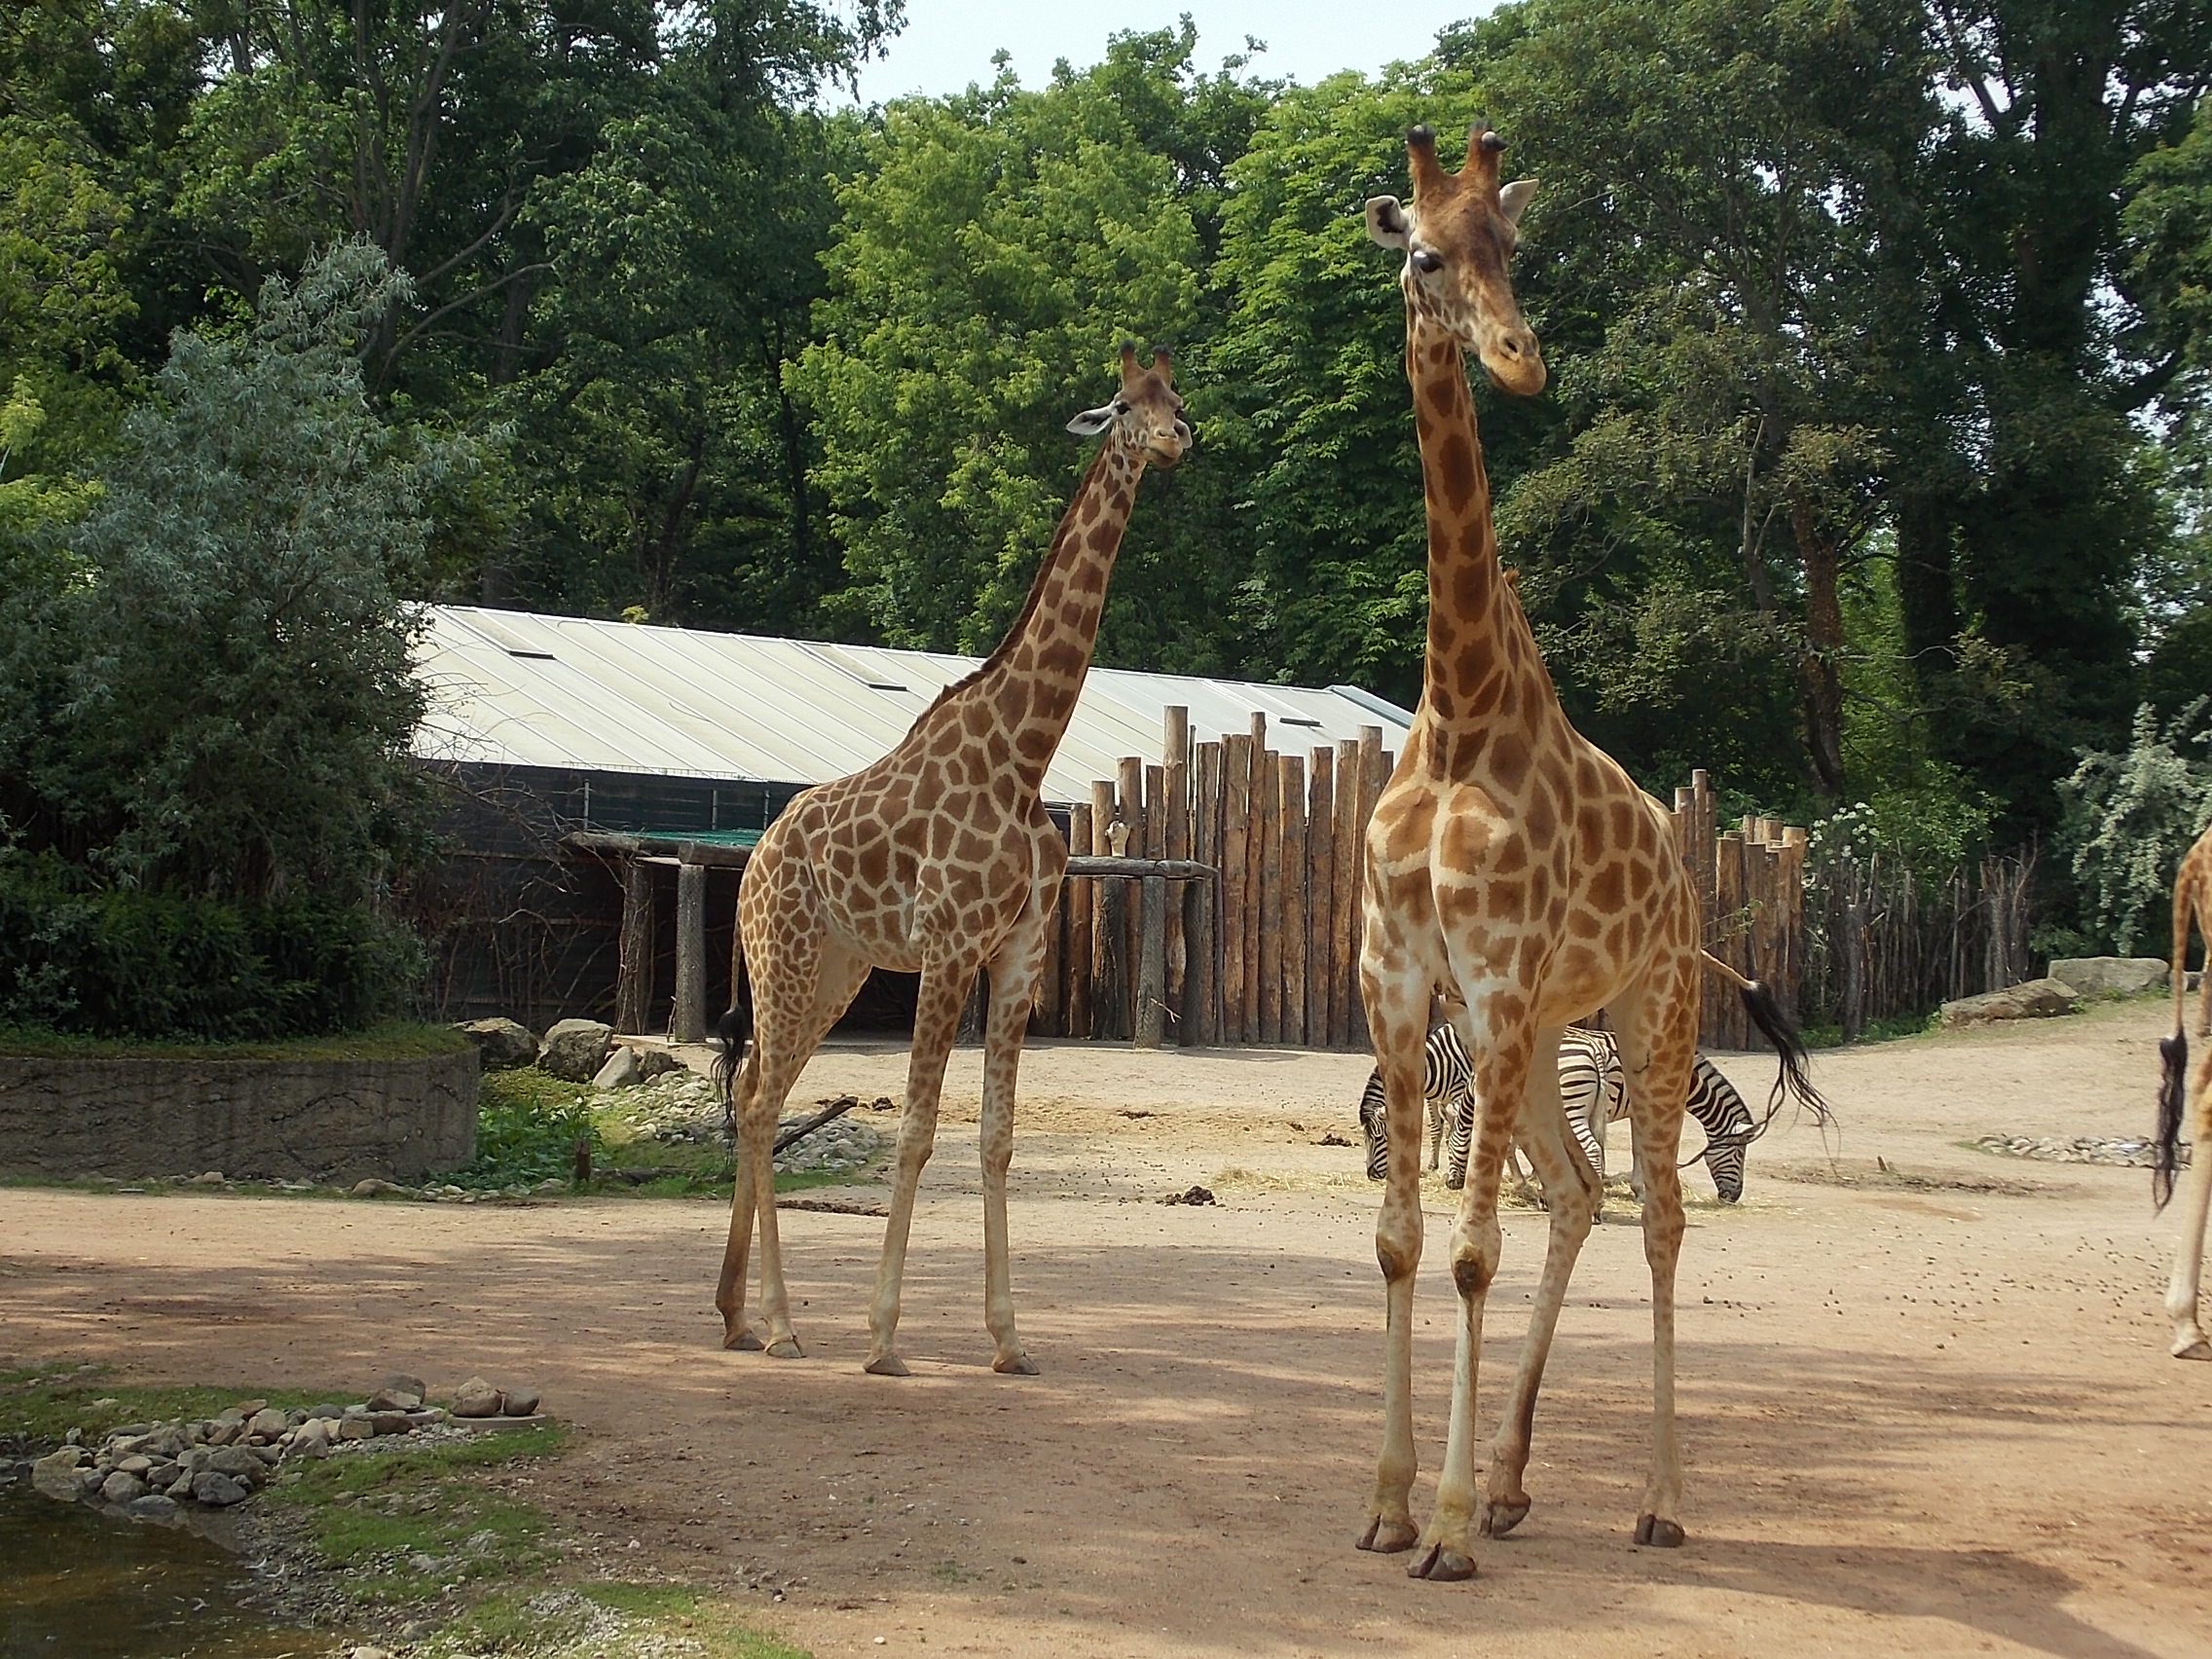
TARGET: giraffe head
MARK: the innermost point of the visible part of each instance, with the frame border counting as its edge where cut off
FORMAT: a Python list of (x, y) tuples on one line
[(1146, 416), (1458, 236)]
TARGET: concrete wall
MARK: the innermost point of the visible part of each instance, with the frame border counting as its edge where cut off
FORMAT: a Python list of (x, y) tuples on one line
[(329, 1121)]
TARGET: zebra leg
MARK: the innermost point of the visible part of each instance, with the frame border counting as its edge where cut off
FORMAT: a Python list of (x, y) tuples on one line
[(1572, 1195)]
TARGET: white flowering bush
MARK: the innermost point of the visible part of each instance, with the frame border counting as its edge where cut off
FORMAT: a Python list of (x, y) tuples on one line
[(2128, 819)]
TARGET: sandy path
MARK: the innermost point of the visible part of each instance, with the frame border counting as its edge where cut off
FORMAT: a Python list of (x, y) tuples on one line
[(1922, 1412)]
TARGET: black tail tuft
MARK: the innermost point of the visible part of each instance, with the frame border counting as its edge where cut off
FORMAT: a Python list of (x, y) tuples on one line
[(2174, 1052), (1794, 1080), (733, 1031)]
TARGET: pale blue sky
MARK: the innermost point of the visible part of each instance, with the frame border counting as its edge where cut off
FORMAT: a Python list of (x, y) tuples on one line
[(947, 44)]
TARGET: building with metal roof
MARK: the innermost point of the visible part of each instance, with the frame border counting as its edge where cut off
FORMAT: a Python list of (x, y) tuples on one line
[(510, 689)]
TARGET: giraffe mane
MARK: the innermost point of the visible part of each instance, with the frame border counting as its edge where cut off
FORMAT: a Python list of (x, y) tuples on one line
[(1044, 568)]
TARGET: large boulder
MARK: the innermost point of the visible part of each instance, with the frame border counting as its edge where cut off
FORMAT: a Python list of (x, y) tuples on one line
[(621, 1070), (502, 1043), (2097, 975), (575, 1048), (2037, 999)]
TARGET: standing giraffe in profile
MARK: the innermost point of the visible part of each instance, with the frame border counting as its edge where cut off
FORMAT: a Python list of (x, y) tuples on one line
[(938, 859), (1511, 858), (2192, 903)]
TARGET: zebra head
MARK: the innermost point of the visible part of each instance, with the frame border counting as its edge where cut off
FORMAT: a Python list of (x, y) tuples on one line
[(1729, 1127), (1373, 1125), (1725, 1162)]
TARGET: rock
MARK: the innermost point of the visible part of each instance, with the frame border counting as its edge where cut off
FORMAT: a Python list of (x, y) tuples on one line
[(355, 1428), (2098, 975), (501, 1045), (392, 1422), (330, 1408), (153, 1506), (268, 1423), (519, 1402), (575, 1048), (375, 1187), (550, 1185), (656, 1062), (621, 1070), (2038, 999), (120, 1488), (475, 1398), (209, 1178), (399, 1393), (239, 1463), (311, 1439), (1195, 1195), (55, 1474), (218, 1491)]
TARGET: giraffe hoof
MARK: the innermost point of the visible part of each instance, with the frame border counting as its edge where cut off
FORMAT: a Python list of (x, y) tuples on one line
[(1021, 1365), (786, 1347), (1660, 1535), (2199, 1348), (1388, 1537), (1501, 1517), (890, 1365), (1440, 1565), (741, 1340)]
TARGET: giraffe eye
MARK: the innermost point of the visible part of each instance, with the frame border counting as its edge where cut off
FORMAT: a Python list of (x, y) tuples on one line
[(1428, 261)]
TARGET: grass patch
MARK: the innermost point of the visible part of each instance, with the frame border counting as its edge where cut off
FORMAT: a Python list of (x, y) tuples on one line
[(394, 1041), (40, 1404), (609, 1617)]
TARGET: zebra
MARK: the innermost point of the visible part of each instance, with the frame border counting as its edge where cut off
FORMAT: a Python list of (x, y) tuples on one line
[(1593, 1090)]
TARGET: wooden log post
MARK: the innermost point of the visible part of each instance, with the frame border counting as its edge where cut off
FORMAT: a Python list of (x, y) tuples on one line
[(1290, 774), (1790, 990), (1078, 899), (1106, 921), (1349, 1030), (1727, 1027), (1129, 795), (687, 1022), (1175, 843), (1152, 962), (1268, 784), (1236, 895), (633, 981), (1320, 898), (1255, 898), (1202, 995)]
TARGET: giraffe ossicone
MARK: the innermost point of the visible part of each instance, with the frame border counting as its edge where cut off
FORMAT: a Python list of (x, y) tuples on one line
[(937, 860)]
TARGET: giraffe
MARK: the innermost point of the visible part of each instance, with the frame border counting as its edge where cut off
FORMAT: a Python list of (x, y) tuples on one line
[(2192, 903), (1512, 858), (936, 858)]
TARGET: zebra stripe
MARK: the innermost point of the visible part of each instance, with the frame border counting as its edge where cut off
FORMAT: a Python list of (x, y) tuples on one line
[(1592, 1087), (1446, 1078)]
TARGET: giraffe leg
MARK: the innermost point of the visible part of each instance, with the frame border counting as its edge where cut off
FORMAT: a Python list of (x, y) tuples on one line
[(1501, 1054), (1658, 1048), (1397, 1018), (1571, 1197), (820, 981), (1013, 988), (937, 1020), (2190, 1340)]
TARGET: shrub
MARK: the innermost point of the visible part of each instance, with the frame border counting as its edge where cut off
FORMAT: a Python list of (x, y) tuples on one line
[(2128, 819)]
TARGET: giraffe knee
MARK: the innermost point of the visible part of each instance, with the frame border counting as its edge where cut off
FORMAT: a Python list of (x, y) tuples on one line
[(1473, 1274)]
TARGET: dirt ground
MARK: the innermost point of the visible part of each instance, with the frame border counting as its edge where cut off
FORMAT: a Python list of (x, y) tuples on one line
[(1926, 1410)]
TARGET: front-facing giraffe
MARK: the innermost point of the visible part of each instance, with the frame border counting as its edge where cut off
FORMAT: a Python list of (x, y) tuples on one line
[(1512, 858), (936, 860)]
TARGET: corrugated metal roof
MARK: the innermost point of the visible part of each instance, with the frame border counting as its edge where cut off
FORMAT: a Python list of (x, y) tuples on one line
[(513, 689)]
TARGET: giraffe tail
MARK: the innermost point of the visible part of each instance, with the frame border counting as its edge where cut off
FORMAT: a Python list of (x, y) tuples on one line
[(1793, 1081), (2173, 1052), (733, 1032)]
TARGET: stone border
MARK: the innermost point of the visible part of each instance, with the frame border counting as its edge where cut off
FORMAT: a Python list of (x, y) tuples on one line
[(329, 1121)]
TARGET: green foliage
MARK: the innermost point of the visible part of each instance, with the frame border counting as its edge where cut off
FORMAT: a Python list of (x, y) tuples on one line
[(2129, 817), (989, 256), (80, 957), (528, 1124)]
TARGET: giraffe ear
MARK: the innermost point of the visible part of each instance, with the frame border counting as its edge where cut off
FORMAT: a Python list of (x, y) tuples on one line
[(1516, 196), (1386, 221), (1091, 422)]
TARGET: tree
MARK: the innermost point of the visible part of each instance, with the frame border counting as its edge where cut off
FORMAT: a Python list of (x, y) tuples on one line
[(229, 701), (989, 255)]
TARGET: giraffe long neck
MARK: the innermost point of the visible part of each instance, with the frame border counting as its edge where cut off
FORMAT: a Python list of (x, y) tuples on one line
[(1482, 667), (1031, 683)]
